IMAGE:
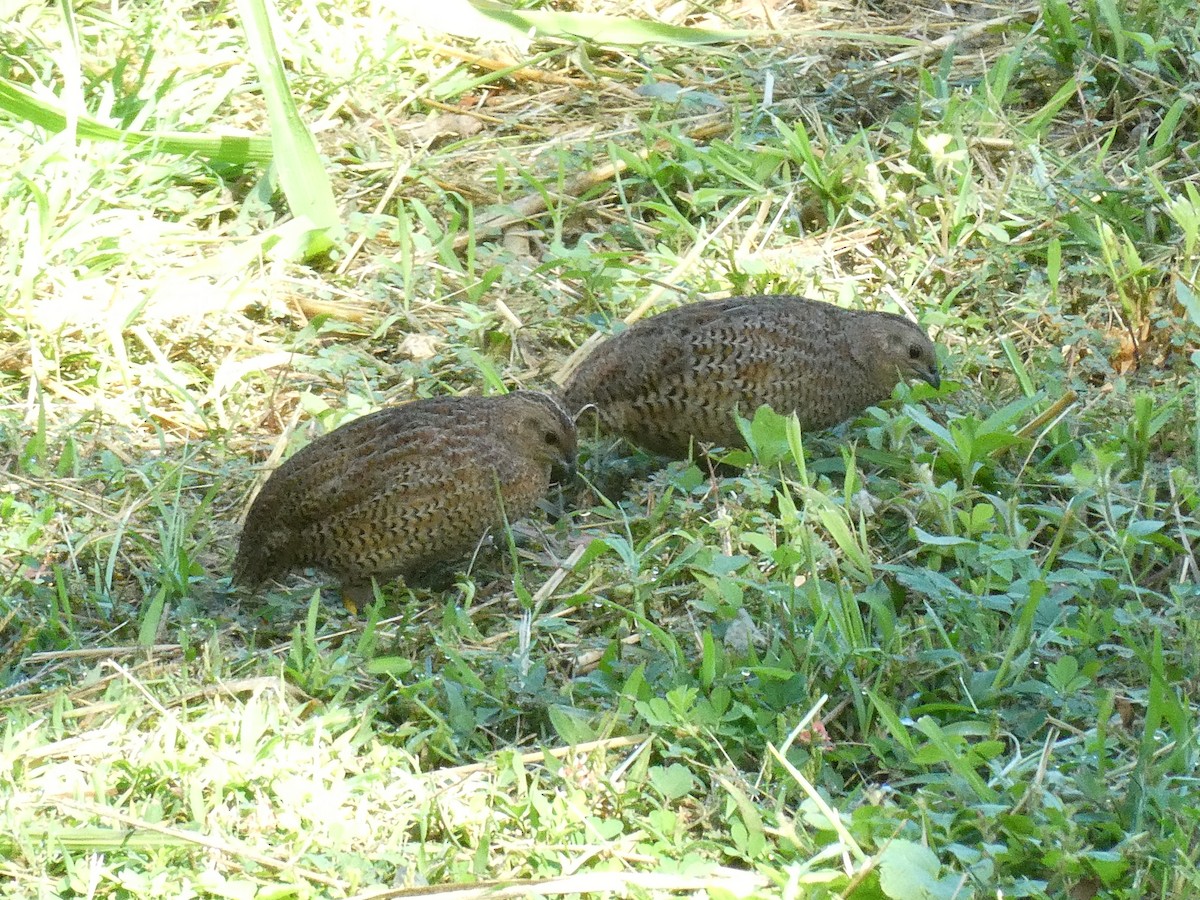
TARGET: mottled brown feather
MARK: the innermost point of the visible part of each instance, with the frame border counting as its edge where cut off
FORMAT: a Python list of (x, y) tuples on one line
[(405, 489), (677, 377)]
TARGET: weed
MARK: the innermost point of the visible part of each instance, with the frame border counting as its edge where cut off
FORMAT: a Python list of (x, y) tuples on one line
[(946, 649)]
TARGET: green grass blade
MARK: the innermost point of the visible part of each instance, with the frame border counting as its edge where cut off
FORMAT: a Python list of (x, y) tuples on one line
[(302, 176), (944, 749), (233, 149), (605, 29)]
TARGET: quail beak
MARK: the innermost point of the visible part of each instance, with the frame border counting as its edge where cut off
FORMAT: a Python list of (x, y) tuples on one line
[(562, 478), (932, 377), (563, 471)]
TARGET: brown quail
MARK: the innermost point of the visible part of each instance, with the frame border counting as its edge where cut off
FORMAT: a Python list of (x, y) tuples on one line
[(677, 377), (406, 489)]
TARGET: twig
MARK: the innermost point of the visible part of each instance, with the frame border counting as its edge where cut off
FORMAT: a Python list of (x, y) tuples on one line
[(849, 844), (1056, 410), (101, 652), (948, 40), (518, 71), (1039, 778)]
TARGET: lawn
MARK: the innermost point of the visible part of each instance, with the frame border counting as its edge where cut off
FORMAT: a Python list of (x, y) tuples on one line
[(948, 649)]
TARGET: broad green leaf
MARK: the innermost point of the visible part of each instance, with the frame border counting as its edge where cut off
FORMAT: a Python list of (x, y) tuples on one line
[(1188, 300), (956, 755), (389, 665), (152, 618), (892, 720), (909, 871), (673, 781), (570, 725), (1039, 120)]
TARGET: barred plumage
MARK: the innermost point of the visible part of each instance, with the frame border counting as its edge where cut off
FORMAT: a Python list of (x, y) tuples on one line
[(405, 489), (678, 376)]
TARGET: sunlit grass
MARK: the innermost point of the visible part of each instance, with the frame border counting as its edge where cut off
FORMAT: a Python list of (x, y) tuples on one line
[(945, 650)]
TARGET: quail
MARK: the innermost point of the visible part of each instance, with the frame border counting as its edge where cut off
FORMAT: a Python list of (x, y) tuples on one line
[(405, 490), (677, 377)]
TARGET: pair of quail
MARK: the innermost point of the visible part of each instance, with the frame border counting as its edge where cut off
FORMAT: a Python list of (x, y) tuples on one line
[(408, 488)]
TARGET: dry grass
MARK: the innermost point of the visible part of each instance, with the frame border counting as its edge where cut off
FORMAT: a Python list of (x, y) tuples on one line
[(997, 591)]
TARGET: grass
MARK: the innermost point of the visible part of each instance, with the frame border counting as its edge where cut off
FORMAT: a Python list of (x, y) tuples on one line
[(948, 650)]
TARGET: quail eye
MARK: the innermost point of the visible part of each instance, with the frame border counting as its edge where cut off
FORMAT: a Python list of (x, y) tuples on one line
[(914, 352), (550, 438)]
